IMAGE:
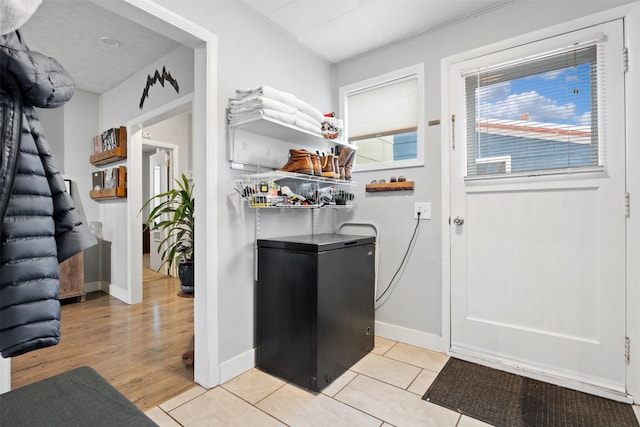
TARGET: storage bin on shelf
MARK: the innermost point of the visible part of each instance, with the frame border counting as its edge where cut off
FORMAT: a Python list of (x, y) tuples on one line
[(293, 190)]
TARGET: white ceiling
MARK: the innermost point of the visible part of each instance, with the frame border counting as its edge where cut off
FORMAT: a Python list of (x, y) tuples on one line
[(341, 29), (70, 31)]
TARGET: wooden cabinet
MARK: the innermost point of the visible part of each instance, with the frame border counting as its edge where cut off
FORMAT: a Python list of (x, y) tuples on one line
[(72, 277)]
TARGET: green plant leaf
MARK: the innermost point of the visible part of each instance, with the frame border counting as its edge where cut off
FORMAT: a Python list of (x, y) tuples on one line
[(173, 215)]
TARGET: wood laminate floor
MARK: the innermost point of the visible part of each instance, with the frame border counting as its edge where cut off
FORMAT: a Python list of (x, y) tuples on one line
[(137, 348)]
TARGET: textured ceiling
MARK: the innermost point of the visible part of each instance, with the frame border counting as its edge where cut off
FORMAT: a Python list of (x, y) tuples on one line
[(70, 31)]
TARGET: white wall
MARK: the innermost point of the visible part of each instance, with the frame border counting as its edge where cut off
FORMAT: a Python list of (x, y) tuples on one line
[(250, 53), (80, 125), (175, 130), (122, 103), (414, 309), (52, 120)]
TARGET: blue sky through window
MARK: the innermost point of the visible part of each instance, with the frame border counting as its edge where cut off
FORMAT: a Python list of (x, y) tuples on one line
[(561, 96)]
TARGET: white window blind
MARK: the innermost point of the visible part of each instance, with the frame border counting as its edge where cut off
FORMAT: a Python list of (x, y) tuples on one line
[(383, 110), (535, 115)]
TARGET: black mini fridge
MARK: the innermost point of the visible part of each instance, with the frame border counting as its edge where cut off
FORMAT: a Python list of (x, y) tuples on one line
[(315, 306)]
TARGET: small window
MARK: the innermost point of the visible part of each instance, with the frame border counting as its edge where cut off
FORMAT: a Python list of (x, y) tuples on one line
[(534, 116), (383, 118)]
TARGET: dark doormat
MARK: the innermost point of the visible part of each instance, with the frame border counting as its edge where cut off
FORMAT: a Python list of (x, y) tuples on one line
[(505, 399)]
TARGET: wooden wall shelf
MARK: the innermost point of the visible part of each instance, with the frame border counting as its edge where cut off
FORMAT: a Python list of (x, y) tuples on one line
[(106, 157), (108, 193), (118, 192), (114, 137), (390, 186)]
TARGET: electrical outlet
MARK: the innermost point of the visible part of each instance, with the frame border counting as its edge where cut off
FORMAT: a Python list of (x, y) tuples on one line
[(424, 208)]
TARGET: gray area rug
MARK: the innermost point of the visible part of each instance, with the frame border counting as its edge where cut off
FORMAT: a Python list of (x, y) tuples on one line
[(504, 399), (80, 397)]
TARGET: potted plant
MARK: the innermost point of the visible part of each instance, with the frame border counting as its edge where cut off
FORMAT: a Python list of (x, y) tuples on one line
[(173, 215)]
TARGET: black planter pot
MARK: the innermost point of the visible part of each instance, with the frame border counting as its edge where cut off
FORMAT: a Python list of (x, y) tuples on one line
[(185, 273)]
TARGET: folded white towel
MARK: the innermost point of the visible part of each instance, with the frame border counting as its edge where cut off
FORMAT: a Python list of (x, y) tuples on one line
[(259, 102), (309, 110), (302, 117), (268, 92), (269, 101), (303, 124), (275, 114)]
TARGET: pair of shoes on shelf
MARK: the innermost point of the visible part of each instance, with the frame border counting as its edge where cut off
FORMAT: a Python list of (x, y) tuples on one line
[(329, 163), (345, 161), (317, 164), (300, 161), (401, 178)]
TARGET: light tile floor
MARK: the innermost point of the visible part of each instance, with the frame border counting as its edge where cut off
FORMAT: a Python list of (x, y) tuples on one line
[(385, 389)]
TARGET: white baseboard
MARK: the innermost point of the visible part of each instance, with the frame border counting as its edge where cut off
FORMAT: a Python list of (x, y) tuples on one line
[(409, 336), (233, 367), (119, 293), (96, 286)]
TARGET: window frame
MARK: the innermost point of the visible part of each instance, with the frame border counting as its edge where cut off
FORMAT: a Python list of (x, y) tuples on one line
[(414, 71)]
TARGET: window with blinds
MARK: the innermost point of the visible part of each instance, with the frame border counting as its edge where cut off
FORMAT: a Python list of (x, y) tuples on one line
[(534, 116), (382, 117)]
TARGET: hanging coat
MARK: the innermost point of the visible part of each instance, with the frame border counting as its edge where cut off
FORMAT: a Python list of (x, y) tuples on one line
[(39, 225)]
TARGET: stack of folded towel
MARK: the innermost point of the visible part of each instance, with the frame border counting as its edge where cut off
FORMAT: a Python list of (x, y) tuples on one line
[(283, 106)]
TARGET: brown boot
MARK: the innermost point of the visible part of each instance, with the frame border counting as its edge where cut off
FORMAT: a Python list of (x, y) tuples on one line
[(299, 162), (336, 168), (349, 164), (328, 170), (315, 161), (346, 155)]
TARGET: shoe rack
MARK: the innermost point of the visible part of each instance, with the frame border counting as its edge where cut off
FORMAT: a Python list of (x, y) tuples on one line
[(263, 143), (289, 190)]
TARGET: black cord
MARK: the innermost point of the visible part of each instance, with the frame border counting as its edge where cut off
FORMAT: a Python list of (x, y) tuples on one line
[(415, 230)]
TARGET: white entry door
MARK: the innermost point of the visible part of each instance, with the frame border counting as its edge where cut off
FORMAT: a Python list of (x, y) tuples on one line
[(159, 173), (538, 241)]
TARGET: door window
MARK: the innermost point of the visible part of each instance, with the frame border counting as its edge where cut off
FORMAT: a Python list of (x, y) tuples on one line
[(536, 115)]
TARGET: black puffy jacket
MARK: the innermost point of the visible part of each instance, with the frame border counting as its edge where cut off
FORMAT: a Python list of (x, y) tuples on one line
[(39, 224)]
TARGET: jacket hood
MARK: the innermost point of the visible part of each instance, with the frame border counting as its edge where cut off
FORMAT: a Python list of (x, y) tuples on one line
[(44, 83), (15, 13)]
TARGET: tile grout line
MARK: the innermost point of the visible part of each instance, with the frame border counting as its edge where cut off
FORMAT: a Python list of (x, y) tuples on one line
[(353, 407)]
